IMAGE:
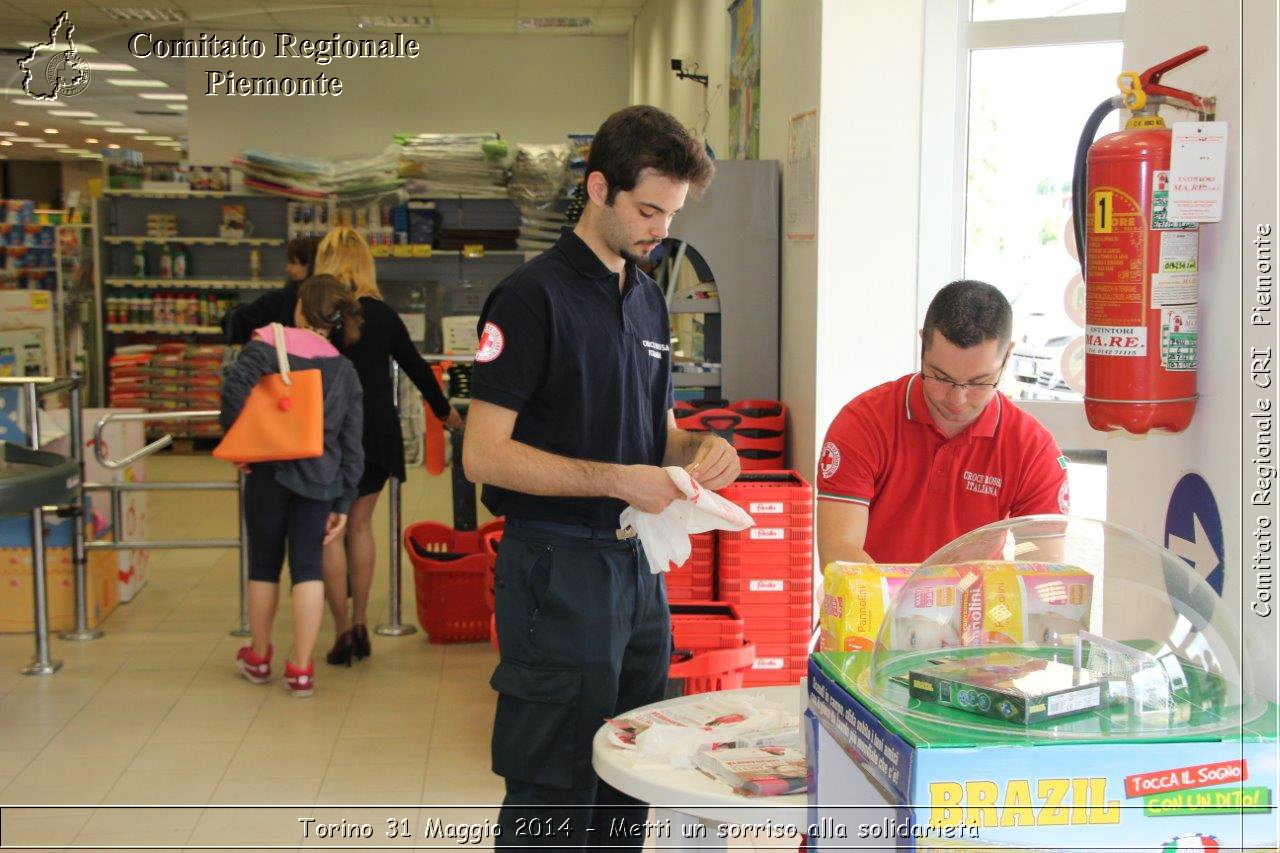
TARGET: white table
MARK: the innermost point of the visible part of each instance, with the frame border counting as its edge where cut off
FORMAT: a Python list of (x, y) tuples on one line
[(695, 807)]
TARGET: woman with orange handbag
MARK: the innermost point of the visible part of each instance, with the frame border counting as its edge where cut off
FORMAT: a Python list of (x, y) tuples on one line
[(298, 496), (344, 254)]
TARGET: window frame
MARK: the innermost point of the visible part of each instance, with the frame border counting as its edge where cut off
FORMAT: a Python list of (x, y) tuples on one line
[(949, 38)]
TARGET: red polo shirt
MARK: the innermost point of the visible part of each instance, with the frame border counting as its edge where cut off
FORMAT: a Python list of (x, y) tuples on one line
[(923, 489)]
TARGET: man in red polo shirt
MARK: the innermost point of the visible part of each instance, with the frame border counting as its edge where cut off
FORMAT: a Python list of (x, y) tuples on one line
[(912, 464)]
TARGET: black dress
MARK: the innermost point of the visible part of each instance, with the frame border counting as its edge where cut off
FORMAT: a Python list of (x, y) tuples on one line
[(382, 338), (277, 306)]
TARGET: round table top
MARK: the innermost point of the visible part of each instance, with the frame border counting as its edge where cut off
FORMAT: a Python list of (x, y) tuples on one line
[(689, 790)]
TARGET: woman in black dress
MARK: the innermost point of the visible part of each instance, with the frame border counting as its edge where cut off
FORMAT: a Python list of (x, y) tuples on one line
[(343, 253)]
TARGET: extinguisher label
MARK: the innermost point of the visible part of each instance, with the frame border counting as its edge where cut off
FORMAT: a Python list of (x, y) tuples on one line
[(1174, 289), (1117, 261), (1178, 337), (1179, 251), (1160, 205), (1116, 340)]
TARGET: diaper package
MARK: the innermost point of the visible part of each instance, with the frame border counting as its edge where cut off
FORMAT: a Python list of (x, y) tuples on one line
[(1035, 603), (928, 614), (855, 599)]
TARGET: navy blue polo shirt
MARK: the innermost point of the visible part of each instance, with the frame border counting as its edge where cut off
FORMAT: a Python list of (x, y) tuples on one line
[(587, 368)]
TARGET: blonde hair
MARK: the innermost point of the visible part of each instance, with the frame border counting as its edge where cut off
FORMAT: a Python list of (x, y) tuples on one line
[(345, 255)]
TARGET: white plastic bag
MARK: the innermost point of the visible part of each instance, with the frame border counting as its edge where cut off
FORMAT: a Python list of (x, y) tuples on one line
[(665, 536)]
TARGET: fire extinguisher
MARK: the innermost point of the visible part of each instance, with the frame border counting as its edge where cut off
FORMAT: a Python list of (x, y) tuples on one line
[(1140, 295)]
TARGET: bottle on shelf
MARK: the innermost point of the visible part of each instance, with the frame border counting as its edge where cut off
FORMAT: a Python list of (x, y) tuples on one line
[(166, 261), (255, 263), (181, 261), (139, 260)]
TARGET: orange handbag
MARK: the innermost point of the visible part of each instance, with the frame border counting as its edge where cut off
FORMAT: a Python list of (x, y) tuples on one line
[(282, 419)]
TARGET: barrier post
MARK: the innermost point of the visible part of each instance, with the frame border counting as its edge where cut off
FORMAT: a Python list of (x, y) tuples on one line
[(394, 627), (82, 630)]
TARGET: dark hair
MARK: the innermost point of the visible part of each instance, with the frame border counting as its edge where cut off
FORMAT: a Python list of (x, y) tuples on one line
[(644, 137), (303, 250), (327, 304), (967, 313)]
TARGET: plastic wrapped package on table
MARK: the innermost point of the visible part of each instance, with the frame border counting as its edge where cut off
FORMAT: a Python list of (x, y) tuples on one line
[(121, 438), (1082, 689)]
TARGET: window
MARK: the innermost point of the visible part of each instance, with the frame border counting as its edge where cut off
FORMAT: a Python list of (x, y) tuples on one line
[(1008, 85)]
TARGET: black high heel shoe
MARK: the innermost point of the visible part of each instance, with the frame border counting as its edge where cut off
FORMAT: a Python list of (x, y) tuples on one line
[(360, 642), (343, 647)]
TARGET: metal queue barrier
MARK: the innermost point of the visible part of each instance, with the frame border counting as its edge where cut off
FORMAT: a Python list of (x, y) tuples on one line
[(37, 386)]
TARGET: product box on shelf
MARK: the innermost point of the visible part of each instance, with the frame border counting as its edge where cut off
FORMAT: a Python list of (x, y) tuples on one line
[(120, 439), (17, 614), (855, 599), (944, 786), (30, 309)]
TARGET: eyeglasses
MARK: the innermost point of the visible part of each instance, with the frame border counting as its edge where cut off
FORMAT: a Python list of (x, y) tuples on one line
[(966, 387)]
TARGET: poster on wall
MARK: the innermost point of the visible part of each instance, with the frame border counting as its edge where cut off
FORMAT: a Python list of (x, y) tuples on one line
[(744, 81), (800, 183)]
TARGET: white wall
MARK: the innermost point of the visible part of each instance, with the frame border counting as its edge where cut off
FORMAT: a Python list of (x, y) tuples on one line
[(696, 31), (1142, 471), (870, 182), (528, 88)]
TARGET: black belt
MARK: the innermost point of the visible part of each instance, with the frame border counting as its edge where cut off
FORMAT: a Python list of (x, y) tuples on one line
[(576, 531)]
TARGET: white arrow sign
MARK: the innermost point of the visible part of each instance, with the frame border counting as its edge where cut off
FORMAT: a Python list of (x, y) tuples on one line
[(1199, 552)]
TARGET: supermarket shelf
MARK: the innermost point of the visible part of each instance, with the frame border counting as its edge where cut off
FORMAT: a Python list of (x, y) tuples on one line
[(695, 306), (197, 241), (454, 253), (176, 194), (196, 283), (684, 379), (17, 270), (164, 330)]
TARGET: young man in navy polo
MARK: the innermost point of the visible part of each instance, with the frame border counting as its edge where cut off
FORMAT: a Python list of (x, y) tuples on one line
[(570, 422), (912, 464)]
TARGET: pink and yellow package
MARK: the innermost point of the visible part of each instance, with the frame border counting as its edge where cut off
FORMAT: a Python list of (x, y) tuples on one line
[(1010, 603), (927, 615), (855, 599)]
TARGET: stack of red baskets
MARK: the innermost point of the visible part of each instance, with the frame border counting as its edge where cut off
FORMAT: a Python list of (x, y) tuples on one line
[(757, 429), (766, 572), (450, 578), (710, 652), (695, 579)]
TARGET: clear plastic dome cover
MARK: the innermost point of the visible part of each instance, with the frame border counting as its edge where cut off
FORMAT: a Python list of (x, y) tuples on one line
[(1058, 627)]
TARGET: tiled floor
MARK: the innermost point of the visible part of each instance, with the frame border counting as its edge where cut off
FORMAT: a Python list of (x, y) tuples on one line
[(154, 713)]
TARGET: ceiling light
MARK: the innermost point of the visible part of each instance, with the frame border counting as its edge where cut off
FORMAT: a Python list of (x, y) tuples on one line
[(162, 96), (182, 108), (109, 66), (72, 113), (134, 13), (102, 122), (21, 123), (27, 139), (6, 143), (156, 138), (32, 102), (77, 151), (130, 130), (113, 146), (7, 133), (80, 46), (386, 22), (51, 130), (50, 145), (137, 83), (553, 24), (90, 140)]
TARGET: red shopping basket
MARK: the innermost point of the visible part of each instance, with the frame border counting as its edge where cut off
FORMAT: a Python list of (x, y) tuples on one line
[(449, 583), (709, 671)]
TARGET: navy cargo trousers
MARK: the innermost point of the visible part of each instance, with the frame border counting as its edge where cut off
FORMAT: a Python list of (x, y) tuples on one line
[(585, 635)]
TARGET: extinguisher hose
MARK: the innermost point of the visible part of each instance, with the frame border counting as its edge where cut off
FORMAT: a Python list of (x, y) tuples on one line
[(1080, 177)]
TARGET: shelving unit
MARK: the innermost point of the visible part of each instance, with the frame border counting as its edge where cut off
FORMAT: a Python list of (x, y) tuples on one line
[(195, 283), (118, 240), (163, 329)]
